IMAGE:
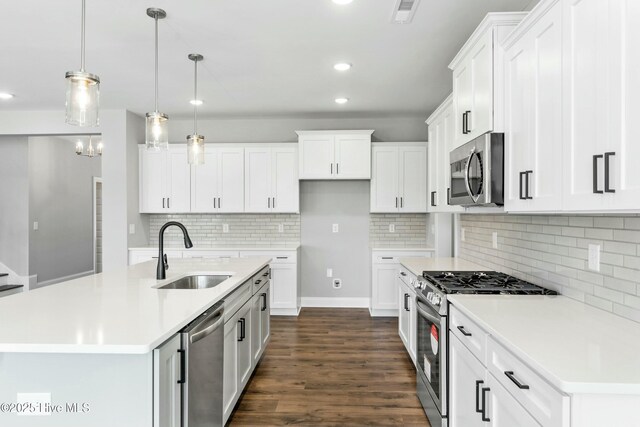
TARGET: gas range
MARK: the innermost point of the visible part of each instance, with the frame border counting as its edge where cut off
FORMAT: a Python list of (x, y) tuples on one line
[(481, 282)]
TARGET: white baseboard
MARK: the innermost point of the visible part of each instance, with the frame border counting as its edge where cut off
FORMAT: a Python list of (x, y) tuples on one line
[(376, 312), (335, 302), (284, 311), (62, 279)]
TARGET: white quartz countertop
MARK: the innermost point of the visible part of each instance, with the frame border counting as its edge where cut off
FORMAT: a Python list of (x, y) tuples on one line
[(403, 249), (120, 312), (220, 248), (418, 265), (575, 347)]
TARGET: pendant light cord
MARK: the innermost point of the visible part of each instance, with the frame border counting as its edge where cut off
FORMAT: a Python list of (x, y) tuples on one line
[(156, 20), (195, 98), (82, 38)]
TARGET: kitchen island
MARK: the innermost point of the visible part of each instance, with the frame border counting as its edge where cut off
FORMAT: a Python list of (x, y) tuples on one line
[(88, 344)]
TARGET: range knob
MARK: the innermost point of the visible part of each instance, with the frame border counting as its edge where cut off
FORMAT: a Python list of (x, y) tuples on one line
[(436, 299)]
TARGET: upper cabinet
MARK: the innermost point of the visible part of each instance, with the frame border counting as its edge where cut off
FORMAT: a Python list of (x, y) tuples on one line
[(398, 182), (217, 186), (478, 78), (271, 178), (441, 142), (335, 154), (164, 180)]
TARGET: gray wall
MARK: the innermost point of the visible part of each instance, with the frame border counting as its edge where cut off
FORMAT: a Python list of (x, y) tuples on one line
[(14, 204), (135, 136), (323, 203), (61, 201)]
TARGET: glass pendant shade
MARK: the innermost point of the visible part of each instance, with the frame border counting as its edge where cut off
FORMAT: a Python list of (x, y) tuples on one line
[(157, 132), (195, 149), (83, 99)]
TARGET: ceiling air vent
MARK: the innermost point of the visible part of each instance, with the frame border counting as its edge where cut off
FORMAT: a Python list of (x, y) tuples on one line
[(404, 11)]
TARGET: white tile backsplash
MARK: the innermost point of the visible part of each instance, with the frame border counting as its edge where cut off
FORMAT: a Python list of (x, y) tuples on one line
[(410, 230), (552, 251)]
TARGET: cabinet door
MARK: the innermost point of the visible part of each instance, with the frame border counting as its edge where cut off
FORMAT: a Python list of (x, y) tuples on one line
[(585, 95), (352, 157), (231, 179), (503, 410), (466, 379), (447, 144), (179, 180), (461, 101), (284, 180), (403, 314), (283, 286), (245, 359), (167, 401), (316, 157), (204, 183), (413, 326), (433, 168), (257, 179), (384, 293), (256, 327), (152, 178), (230, 384), (480, 120), (384, 179), (265, 313), (413, 179)]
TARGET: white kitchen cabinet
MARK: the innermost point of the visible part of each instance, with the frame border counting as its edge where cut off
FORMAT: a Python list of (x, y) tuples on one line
[(533, 129), (265, 315), (231, 387), (467, 378), (245, 358), (271, 179), (260, 323), (441, 142), (167, 401), (164, 180), (503, 410), (478, 80), (404, 313), (399, 177), (335, 154), (217, 186)]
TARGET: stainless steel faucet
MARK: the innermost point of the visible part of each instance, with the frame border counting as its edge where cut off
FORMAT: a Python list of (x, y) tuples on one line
[(161, 270)]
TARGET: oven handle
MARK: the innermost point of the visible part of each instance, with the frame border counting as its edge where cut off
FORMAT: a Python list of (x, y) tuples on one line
[(426, 314), (466, 176)]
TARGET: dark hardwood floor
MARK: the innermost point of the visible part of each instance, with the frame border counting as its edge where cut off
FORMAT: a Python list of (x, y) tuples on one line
[(335, 367)]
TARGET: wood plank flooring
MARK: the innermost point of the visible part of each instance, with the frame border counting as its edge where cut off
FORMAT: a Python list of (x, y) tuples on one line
[(332, 367)]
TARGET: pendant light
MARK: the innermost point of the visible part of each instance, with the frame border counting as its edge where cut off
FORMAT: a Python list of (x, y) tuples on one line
[(156, 134), (195, 142), (83, 91), (90, 152)]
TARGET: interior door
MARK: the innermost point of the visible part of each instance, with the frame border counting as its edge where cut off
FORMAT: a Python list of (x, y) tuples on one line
[(352, 157), (231, 179), (466, 379), (284, 179), (257, 179), (413, 179), (204, 183), (179, 180), (317, 157), (152, 181), (384, 179)]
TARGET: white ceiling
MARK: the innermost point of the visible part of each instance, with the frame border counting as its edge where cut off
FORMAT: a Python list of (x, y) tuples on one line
[(262, 57)]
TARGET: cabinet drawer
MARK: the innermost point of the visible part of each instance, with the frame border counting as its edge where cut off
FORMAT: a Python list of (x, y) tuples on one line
[(283, 257), (469, 333), (545, 403), (407, 277), (394, 257), (260, 279), (237, 299)]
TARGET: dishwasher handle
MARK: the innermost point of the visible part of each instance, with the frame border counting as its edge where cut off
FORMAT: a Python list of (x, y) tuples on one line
[(209, 324)]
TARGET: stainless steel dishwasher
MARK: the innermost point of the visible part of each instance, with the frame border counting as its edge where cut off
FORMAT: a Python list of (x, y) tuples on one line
[(202, 362)]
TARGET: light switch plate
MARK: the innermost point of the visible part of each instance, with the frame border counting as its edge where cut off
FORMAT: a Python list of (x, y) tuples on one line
[(463, 233), (594, 257), (132, 229), (280, 228), (494, 239), (335, 228), (392, 228), (35, 225), (225, 228), (329, 272)]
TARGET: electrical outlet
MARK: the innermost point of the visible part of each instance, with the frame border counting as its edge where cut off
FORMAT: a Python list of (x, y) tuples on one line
[(329, 272), (463, 233), (494, 239), (280, 228), (337, 283), (432, 229), (132, 229), (392, 228), (335, 228), (225, 228), (594, 257), (36, 225)]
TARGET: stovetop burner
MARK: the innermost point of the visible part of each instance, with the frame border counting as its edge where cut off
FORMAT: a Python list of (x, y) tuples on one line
[(482, 282)]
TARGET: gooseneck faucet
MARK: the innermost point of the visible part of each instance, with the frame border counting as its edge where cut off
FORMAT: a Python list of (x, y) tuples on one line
[(161, 270)]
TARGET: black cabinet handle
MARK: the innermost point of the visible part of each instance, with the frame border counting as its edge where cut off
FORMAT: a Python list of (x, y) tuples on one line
[(464, 331), (257, 282), (331, 168), (214, 203), (278, 257), (387, 257), (396, 202), (526, 176), (274, 203), (607, 189), (242, 322), (478, 408), (182, 379), (521, 386), (402, 273), (219, 204), (264, 301), (595, 174), (448, 196), (466, 124), (163, 203), (267, 273), (406, 303), (337, 168), (168, 205), (484, 404), (269, 202), (401, 202), (522, 197), (433, 198)]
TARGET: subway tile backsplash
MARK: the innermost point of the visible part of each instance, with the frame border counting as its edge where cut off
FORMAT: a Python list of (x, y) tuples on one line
[(552, 251), (250, 230), (410, 230)]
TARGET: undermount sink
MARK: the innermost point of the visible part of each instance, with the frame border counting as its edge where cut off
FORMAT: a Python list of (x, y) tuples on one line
[(197, 282)]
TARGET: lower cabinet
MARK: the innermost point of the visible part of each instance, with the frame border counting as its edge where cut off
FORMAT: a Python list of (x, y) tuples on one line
[(407, 315), (167, 399), (260, 325), (285, 292), (503, 410)]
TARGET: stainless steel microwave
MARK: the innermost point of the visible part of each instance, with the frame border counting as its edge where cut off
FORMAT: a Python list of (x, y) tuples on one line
[(477, 172)]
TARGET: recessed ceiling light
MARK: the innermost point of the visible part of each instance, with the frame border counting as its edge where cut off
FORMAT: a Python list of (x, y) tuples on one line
[(342, 66), (342, 1), (342, 100), (5, 95), (196, 102)]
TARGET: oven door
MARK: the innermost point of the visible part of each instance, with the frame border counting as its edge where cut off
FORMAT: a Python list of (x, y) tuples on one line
[(432, 353)]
